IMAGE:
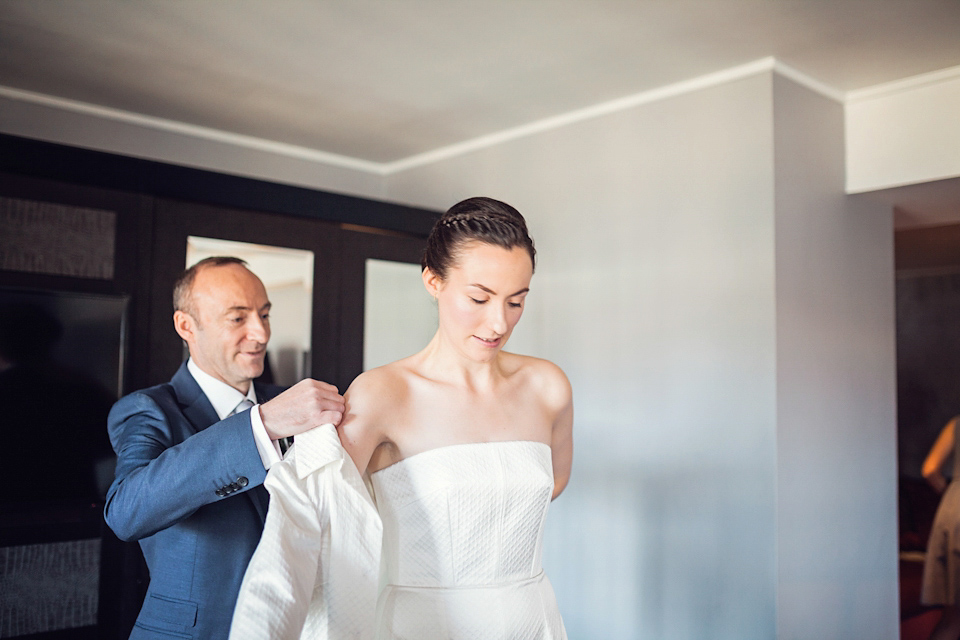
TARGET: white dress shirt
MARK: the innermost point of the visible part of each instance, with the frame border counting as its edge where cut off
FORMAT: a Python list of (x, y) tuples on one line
[(225, 399), (303, 582)]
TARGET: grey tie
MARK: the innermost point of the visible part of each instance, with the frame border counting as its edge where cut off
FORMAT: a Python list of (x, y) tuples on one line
[(243, 406)]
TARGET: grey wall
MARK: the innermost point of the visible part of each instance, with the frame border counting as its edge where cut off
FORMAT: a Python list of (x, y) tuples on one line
[(655, 293), (729, 449), (836, 386), (725, 316)]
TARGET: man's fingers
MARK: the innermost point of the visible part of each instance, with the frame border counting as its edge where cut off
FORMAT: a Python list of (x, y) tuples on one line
[(332, 396), (331, 405), (327, 394), (305, 405), (327, 387), (317, 384)]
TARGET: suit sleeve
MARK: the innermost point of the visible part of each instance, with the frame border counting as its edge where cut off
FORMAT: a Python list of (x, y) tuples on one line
[(160, 481), (278, 587)]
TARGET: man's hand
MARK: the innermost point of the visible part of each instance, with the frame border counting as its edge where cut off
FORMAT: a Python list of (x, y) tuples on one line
[(305, 405)]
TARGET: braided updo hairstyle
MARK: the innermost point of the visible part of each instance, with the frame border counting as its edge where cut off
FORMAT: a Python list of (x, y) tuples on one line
[(475, 219)]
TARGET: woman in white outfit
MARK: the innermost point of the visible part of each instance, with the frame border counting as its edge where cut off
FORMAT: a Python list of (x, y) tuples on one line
[(464, 444)]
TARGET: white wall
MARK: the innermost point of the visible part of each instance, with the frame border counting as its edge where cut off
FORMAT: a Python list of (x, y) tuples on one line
[(836, 386), (906, 132), (716, 424), (725, 315), (655, 292)]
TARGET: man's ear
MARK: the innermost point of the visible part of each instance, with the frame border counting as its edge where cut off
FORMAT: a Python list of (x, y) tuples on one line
[(432, 282), (185, 325)]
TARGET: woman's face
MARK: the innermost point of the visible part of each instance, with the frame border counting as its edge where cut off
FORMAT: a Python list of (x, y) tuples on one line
[(481, 299)]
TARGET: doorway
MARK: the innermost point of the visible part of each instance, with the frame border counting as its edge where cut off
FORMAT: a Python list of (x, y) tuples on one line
[(928, 394)]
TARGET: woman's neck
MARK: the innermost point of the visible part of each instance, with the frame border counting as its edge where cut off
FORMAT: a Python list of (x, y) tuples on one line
[(440, 360)]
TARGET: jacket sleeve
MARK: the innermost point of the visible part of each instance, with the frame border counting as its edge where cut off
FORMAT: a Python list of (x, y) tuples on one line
[(160, 480), (278, 588)]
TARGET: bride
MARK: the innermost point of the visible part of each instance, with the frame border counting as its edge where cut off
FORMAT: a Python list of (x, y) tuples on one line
[(464, 445)]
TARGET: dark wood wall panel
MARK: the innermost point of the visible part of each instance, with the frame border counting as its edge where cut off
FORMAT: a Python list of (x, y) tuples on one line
[(110, 171), (121, 568), (131, 249), (57, 239), (153, 208)]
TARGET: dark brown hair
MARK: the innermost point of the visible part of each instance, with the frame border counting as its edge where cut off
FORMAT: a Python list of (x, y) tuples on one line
[(475, 219), (182, 300)]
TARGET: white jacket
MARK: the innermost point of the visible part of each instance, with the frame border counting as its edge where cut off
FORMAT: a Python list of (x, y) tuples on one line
[(315, 572)]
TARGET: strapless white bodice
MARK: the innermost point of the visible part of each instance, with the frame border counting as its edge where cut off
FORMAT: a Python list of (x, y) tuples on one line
[(462, 542)]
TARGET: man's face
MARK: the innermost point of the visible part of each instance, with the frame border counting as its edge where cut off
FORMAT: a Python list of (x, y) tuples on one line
[(227, 332)]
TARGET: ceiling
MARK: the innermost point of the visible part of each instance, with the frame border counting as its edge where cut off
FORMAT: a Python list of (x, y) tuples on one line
[(384, 80)]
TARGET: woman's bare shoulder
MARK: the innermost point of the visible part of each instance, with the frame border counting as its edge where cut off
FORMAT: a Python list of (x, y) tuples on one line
[(373, 401), (378, 388), (543, 377)]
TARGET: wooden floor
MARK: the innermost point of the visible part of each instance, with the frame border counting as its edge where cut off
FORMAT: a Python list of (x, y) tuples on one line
[(916, 621), (918, 627)]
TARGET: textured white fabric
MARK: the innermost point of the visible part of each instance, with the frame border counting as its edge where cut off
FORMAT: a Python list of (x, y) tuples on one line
[(462, 542), (315, 572)]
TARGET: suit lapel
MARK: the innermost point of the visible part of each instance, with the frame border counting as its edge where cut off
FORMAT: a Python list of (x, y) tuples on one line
[(196, 407), (201, 414)]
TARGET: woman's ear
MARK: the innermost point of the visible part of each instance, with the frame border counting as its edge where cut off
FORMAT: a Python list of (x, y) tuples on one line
[(431, 282)]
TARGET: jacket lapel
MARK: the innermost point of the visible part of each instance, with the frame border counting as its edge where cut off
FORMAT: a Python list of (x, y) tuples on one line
[(201, 414), (196, 407)]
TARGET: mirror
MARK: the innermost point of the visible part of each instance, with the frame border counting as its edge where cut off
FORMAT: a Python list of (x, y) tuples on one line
[(399, 316), (287, 275)]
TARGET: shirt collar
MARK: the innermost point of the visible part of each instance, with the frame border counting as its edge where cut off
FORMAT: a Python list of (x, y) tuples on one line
[(222, 396)]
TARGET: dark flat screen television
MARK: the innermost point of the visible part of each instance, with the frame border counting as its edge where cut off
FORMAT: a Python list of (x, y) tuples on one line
[(61, 368)]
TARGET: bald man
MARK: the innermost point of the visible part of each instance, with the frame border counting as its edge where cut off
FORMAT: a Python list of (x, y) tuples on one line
[(192, 454)]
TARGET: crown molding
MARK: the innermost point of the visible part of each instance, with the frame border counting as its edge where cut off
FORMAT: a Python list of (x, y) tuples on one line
[(581, 115), (190, 130), (732, 74), (905, 84), (763, 65)]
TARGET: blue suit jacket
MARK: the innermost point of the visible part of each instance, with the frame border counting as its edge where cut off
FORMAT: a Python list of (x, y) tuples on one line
[(189, 487)]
